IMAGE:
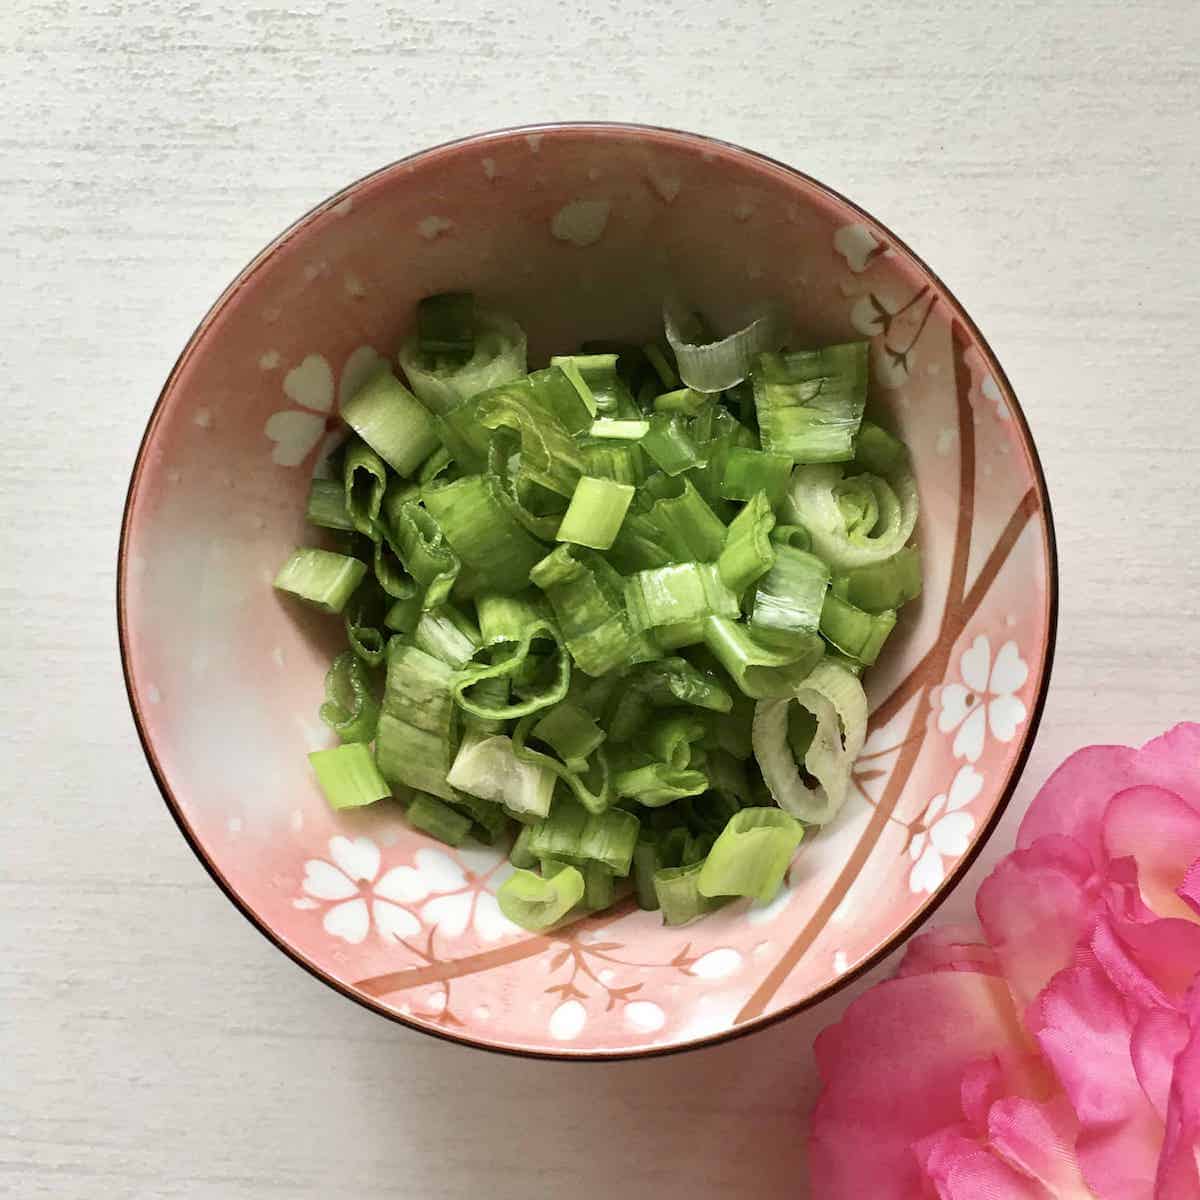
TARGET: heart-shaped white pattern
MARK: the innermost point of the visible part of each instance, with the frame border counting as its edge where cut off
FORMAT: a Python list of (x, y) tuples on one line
[(349, 921), (432, 872), (326, 882), (975, 663), (567, 1020), (951, 835), (1005, 714), (966, 785), (954, 706), (581, 222), (968, 742), (449, 914), (294, 435), (644, 1016), (1009, 672), (490, 923), (311, 384), (358, 858), (857, 245), (928, 874), (360, 366), (716, 964), (865, 313), (392, 921)]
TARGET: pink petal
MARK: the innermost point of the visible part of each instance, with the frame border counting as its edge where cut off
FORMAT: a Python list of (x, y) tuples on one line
[(1073, 800), (949, 948), (1034, 908), (1172, 762), (961, 1169), (982, 1085), (1085, 1033), (892, 1069), (1179, 1165), (1038, 1139), (1161, 831), (1151, 964), (1157, 1040), (1190, 888)]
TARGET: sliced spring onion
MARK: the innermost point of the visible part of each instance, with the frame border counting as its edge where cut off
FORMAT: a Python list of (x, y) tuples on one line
[(446, 327), (488, 821), (486, 766), (520, 855), (619, 430), (748, 472), (498, 356), (679, 895), (509, 628), (589, 781), (682, 400), (390, 571), (759, 670), (620, 461), (660, 684), (836, 698), (393, 422), (320, 578), (436, 818), (447, 634), (327, 505), (482, 531), (645, 863), (405, 613), (424, 550), (715, 366), (810, 402), (417, 731), (789, 598), (682, 593), (669, 445), (594, 516), (879, 452), (549, 455), (748, 552), (657, 359), (816, 500), (678, 523), (536, 903), (795, 536), (598, 886), (573, 835), (595, 378), (570, 731), (670, 739), (364, 615), (751, 855), (882, 585), (857, 634), (364, 478), (348, 775), (654, 784)]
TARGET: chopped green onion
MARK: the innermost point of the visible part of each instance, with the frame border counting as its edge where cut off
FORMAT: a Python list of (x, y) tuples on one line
[(880, 586), (393, 422), (536, 903), (795, 536), (364, 614), (405, 613), (429, 815), (390, 571), (447, 634), (788, 599), (748, 472), (424, 550), (682, 400), (670, 738), (590, 784), (348, 776), (748, 552), (364, 478), (655, 784), (645, 864), (713, 366), (598, 886), (549, 455), (670, 446), (620, 461), (434, 465), (327, 505), (758, 670), (414, 745), (498, 356), (570, 731), (672, 596), (595, 378), (679, 895), (594, 516), (679, 524), (320, 578), (520, 855), (487, 767), (625, 431), (877, 451), (446, 327), (810, 402), (488, 820), (661, 364), (751, 855), (573, 835), (857, 634)]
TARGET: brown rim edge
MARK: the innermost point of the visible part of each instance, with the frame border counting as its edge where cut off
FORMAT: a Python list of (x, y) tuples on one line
[(904, 932)]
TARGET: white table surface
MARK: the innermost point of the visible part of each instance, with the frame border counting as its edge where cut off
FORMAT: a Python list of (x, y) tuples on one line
[(1042, 156)]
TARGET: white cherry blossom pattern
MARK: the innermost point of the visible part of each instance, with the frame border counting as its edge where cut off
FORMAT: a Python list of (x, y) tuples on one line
[(295, 432), (858, 246), (985, 701), (944, 832)]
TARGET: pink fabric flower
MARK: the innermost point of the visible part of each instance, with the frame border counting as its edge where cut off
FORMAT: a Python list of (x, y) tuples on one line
[(1054, 1053)]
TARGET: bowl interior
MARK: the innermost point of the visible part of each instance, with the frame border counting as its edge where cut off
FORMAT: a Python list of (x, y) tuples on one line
[(577, 231)]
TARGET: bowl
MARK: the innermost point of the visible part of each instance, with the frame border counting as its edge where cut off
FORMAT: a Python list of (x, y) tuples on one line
[(577, 230)]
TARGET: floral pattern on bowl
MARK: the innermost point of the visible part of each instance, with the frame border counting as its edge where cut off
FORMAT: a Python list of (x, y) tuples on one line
[(577, 230)]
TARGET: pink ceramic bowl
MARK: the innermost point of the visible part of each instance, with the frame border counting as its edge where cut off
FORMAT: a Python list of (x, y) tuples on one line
[(225, 681)]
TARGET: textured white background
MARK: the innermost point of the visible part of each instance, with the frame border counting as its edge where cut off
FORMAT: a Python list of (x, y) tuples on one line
[(1043, 157)]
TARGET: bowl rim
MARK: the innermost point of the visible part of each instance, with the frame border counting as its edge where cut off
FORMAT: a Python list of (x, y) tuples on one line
[(756, 1024)]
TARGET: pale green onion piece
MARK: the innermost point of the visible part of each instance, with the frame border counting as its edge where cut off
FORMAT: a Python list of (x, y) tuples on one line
[(670, 739), (519, 855), (481, 530), (715, 366), (814, 502), (594, 516), (666, 373), (590, 782), (836, 698), (810, 402), (674, 595), (364, 617), (393, 422), (536, 903), (446, 327), (679, 524), (857, 634), (645, 864), (751, 855), (405, 613), (880, 586), (748, 472), (594, 377), (789, 598), (620, 461), (669, 445), (447, 634), (348, 776), (570, 731), (432, 816), (320, 578), (679, 895), (879, 452), (390, 572), (619, 430), (423, 547), (748, 552), (573, 835), (486, 766), (498, 357), (364, 478), (598, 886), (488, 820), (682, 400), (327, 505), (415, 742), (654, 784), (549, 456), (662, 684), (760, 671), (795, 536)]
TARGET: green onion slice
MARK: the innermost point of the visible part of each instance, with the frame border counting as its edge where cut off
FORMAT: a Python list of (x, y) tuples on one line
[(789, 598), (326, 506), (748, 552), (393, 422), (715, 366), (486, 766), (760, 671), (321, 578), (573, 835), (436, 818), (594, 516), (348, 776), (751, 855), (418, 729), (536, 903)]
